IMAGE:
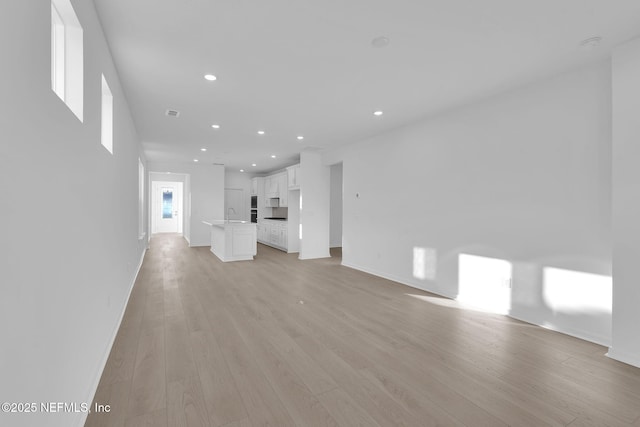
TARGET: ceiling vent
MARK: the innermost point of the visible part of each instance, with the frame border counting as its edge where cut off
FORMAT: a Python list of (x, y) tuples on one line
[(172, 113)]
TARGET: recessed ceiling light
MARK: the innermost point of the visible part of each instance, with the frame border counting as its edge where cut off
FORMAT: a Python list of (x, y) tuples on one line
[(300, 137), (377, 113), (590, 43), (260, 132), (195, 160), (254, 165), (273, 156), (203, 149), (210, 77), (241, 170), (380, 41), (215, 126)]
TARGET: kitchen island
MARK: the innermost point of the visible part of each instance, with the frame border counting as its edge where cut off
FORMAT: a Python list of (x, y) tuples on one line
[(233, 240)]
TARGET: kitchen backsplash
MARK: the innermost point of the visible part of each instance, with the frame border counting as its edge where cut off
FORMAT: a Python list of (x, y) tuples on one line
[(279, 212)]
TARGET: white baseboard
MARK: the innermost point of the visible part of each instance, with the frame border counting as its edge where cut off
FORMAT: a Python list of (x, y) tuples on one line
[(518, 316), (396, 279), (94, 389), (580, 334), (319, 256), (621, 356)]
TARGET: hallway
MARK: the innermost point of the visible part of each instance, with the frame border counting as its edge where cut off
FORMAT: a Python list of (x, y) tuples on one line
[(280, 342)]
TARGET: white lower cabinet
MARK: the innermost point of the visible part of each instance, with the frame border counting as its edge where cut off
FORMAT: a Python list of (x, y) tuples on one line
[(273, 233), (260, 232)]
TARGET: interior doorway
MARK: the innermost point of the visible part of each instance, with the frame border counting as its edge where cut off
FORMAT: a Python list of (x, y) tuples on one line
[(166, 207)]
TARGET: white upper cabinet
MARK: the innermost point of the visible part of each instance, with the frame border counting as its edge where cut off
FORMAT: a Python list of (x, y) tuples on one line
[(293, 177), (254, 186), (284, 191), (271, 187), (275, 187), (267, 185)]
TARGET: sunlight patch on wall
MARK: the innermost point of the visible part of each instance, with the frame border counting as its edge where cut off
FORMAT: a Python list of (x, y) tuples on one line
[(485, 283), (424, 263), (571, 291), (300, 225)]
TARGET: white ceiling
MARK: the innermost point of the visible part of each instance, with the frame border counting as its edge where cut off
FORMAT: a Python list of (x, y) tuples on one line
[(302, 67)]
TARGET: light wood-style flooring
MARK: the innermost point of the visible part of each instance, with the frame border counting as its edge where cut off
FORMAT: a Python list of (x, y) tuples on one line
[(282, 342)]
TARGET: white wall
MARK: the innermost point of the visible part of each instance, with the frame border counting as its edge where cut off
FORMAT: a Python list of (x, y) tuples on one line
[(242, 181), (69, 230), (523, 177), (335, 221), (314, 212), (206, 197), (626, 203)]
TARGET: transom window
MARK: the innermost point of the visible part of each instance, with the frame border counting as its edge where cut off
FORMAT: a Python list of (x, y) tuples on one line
[(67, 70)]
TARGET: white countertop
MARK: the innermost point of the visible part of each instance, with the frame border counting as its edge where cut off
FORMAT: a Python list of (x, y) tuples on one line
[(225, 222)]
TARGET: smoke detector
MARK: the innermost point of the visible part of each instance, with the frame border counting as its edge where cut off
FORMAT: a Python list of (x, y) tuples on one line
[(380, 42), (590, 43)]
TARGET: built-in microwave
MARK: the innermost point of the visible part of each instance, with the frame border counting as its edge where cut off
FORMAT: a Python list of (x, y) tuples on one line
[(254, 215), (254, 202)]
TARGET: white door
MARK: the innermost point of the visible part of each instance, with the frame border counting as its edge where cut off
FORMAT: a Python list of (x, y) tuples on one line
[(167, 207), (234, 206)]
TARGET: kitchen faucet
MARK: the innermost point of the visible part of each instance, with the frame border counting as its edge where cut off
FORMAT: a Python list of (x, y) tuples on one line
[(230, 209)]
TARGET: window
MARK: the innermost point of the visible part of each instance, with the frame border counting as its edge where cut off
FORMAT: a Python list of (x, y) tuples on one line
[(167, 203), (67, 77), (107, 117), (57, 52)]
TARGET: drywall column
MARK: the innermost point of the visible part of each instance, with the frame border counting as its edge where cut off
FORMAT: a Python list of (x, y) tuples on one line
[(335, 224), (626, 203), (314, 206)]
